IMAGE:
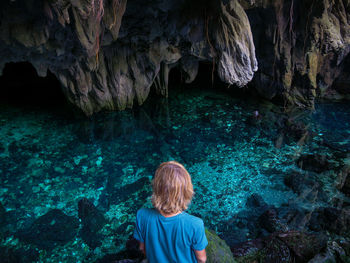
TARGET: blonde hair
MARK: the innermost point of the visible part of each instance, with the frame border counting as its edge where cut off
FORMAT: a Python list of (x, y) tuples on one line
[(172, 188)]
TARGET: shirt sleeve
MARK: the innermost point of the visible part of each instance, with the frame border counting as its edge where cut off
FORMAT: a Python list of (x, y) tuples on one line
[(137, 231), (199, 240)]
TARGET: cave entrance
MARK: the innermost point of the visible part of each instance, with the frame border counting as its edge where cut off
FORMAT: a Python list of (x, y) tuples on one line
[(205, 80), (20, 86)]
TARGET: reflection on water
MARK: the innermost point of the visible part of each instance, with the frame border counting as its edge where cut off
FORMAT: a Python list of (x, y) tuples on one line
[(245, 158)]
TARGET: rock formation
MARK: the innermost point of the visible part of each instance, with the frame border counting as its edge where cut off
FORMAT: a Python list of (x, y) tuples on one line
[(108, 53)]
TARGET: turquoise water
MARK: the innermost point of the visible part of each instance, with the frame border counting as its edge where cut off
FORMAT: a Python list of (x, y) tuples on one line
[(50, 160)]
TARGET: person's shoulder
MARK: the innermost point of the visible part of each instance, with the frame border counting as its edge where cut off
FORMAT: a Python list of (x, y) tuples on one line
[(146, 212), (193, 220)]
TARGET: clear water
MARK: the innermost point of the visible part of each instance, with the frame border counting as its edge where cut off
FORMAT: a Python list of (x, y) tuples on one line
[(48, 160)]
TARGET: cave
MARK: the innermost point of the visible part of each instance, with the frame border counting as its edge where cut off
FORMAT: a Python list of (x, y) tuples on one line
[(22, 87), (245, 103)]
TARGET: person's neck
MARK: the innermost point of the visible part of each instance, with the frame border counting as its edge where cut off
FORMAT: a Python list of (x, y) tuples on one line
[(170, 215)]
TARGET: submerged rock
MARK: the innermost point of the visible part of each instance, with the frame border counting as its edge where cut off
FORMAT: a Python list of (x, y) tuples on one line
[(21, 255), (314, 162), (92, 220), (50, 230)]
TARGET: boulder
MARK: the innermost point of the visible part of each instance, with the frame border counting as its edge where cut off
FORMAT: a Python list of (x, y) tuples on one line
[(217, 250)]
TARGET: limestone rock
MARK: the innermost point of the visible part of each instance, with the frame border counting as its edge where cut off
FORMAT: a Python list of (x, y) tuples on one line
[(217, 250)]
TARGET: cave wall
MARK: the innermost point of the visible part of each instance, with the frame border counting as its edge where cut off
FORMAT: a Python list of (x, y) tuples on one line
[(108, 53), (301, 47)]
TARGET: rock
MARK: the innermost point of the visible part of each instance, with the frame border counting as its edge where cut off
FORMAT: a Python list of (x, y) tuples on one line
[(21, 255), (326, 257), (103, 64), (50, 230), (276, 250), (2, 148), (270, 221), (314, 162), (249, 249), (92, 220), (90, 216), (290, 246), (255, 200), (123, 193), (306, 185), (335, 220), (217, 250), (3, 221), (303, 246)]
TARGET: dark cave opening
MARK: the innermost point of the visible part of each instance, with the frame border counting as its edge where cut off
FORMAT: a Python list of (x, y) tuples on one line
[(206, 80), (20, 86)]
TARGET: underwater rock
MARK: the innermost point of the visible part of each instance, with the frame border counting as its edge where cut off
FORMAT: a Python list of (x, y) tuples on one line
[(2, 148), (50, 230), (306, 185), (90, 216), (21, 255), (123, 193), (92, 220), (217, 250), (314, 162), (255, 200), (3, 221)]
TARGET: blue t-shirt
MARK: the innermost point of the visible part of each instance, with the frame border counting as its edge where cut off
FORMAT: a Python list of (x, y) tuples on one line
[(170, 239)]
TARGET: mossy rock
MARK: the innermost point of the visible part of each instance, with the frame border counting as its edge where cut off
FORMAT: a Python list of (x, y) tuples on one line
[(217, 250)]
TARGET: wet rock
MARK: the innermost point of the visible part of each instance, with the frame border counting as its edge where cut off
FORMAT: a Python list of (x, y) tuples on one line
[(50, 230), (314, 162), (326, 257), (335, 220), (248, 249), (217, 250), (270, 221), (290, 246), (303, 246), (92, 220), (276, 250)]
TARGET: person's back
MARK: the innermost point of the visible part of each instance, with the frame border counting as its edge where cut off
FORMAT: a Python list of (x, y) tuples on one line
[(166, 233)]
